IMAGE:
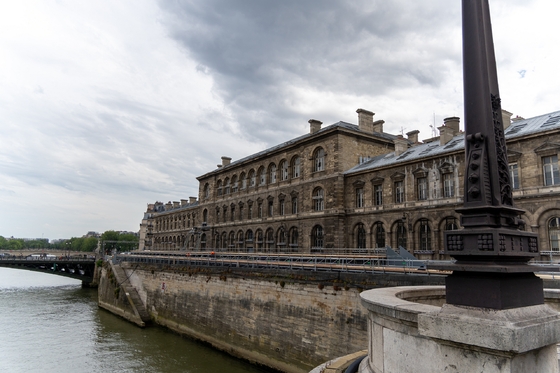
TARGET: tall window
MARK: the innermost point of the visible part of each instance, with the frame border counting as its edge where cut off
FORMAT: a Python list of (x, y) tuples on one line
[(270, 208), (425, 235), (359, 197), (249, 236), (269, 238), (260, 210), (294, 237), (319, 160), (318, 200), (282, 207), (553, 233), (422, 188), (514, 175), (234, 184), (241, 212), (401, 234), (250, 212), (217, 214), (272, 174), (205, 216), (219, 187), (448, 185), (225, 214), (379, 235), (550, 170), (206, 190), (317, 238), (294, 205), (360, 236), (252, 178), (259, 239), (281, 237), (296, 167), (262, 176), (399, 192), (227, 186), (232, 213), (243, 181), (378, 194), (284, 170)]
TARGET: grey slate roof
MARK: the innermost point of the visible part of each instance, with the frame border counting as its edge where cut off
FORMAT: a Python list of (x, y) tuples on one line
[(345, 125), (517, 129)]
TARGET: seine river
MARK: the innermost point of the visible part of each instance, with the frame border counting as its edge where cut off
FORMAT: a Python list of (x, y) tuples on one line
[(49, 324)]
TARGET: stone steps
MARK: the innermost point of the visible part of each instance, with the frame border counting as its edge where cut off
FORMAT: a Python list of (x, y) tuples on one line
[(131, 293)]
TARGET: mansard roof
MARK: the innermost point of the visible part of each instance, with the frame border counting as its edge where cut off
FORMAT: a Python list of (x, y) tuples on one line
[(339, 125), (519, 128)]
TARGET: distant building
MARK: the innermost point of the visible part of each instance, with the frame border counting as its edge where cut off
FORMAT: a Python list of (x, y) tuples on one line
[(355, 186)]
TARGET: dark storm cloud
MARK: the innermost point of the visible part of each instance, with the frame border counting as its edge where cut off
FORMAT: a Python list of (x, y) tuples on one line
[(258, 50)]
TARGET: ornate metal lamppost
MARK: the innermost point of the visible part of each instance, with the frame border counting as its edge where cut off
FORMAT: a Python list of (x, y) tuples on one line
[(492, 250)]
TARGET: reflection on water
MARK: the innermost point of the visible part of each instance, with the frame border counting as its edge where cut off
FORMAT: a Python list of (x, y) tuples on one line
[(49, 323)]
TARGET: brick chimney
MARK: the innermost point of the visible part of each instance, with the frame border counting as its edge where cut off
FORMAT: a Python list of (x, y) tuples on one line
[(506, 118), (192, 200), (378, 126), (226, 161), (413, 136), (365, 120), (401, 145), (314, 125)]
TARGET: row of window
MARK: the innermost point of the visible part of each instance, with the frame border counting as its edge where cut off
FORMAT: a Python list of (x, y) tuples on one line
[(422, 190), (239, 212), (264, 176)]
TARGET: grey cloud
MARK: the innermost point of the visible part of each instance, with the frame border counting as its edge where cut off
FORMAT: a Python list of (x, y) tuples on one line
[(257, 50)]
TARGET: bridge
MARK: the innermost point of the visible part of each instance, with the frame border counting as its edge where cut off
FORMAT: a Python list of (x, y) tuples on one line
[(74, 267)]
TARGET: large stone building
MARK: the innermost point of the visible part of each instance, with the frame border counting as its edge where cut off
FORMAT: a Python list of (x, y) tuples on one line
[(349, 186)]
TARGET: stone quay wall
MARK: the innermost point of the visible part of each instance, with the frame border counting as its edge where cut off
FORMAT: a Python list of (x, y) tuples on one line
[(289, 321)]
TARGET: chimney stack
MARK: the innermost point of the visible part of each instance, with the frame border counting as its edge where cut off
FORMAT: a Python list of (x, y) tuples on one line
[(506, 118), (168, 206), (365, 120), (184, 202), (453, 124), (314, 125), (413, 136), (401, 145), (226, 161), (192, 200)]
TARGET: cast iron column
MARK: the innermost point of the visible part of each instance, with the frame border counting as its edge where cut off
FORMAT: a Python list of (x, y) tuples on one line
[(492, 249)]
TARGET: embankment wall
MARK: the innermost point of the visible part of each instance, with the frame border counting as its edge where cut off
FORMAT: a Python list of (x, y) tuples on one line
[(288, 321)]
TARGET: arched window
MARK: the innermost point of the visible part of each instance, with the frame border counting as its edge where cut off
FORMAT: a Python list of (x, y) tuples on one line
[(379, 235), (240, 240), (218, 243), (252, 178), (360, 236), (294, 237), (425, 235), (259, 240), (227, 185), (296, 167), (284, 170), (224, 241), (249, 237), (319, 160), (205, 216), (553, 233), (242, 181), (206, 190), (203, 241), (269, 238), (317, 238), (262, 176), (401, 234), (234, 184), (272, 173), (318, 199), (450, 224), (231, 241), (219, 187), (281, 238), (294, 205)]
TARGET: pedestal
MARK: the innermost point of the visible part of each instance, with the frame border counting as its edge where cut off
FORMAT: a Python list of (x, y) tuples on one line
[(411, 330)]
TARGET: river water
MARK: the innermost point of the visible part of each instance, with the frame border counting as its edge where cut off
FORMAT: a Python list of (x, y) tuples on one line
[(48, 323)]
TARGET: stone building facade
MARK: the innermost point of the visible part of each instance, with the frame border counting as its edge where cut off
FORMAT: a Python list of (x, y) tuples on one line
[(355, 186)]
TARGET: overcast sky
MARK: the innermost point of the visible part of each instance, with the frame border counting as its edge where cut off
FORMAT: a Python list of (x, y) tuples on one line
[(106, 106)]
